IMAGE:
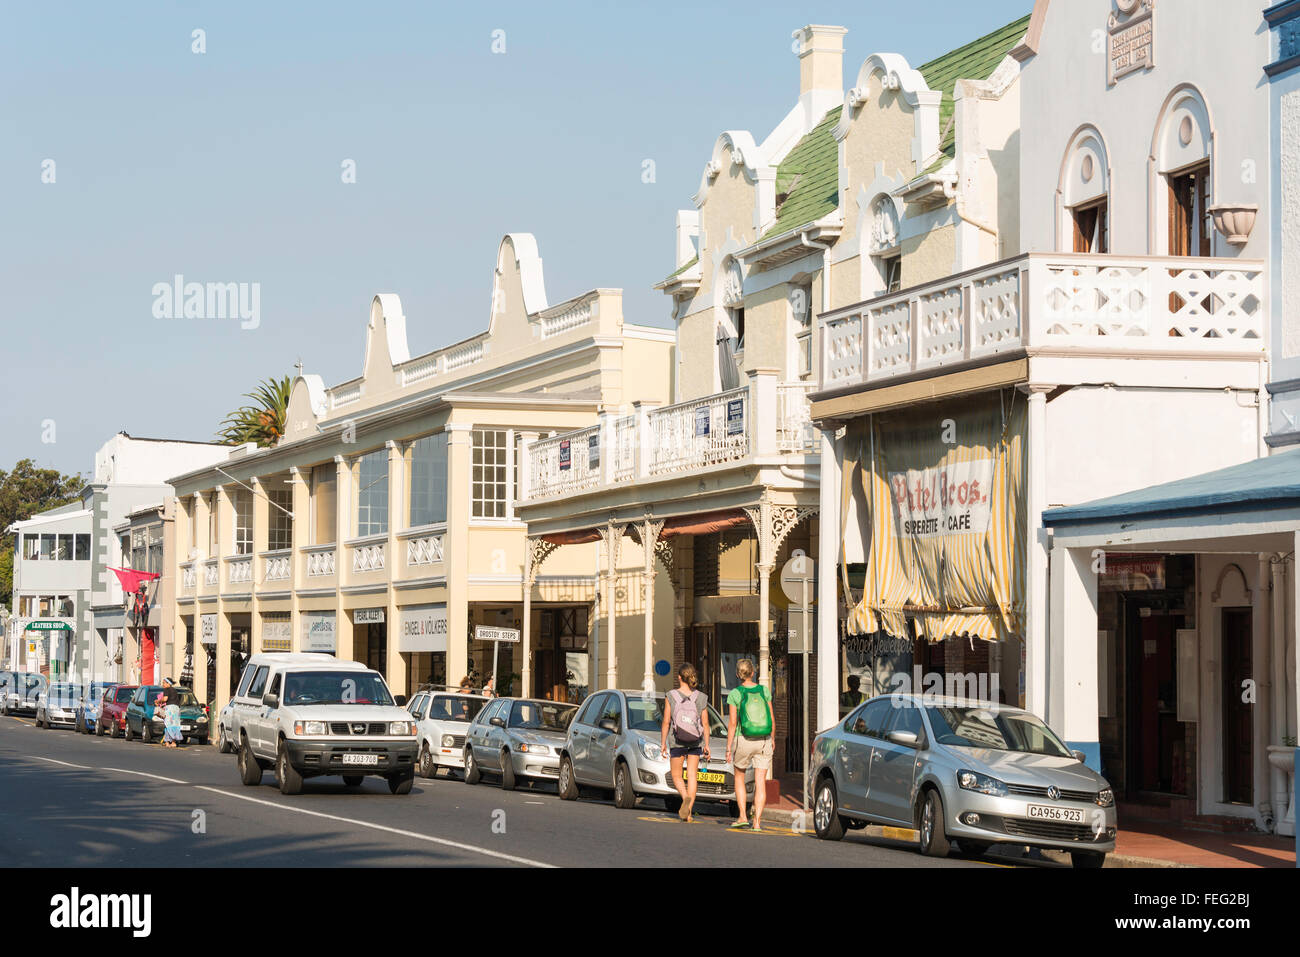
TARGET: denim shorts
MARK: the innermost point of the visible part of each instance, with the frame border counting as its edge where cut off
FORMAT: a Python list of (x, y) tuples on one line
[(697, 751)]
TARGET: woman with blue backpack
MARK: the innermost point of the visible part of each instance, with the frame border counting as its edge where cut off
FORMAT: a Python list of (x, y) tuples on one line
[(749, 739), (686, 712)]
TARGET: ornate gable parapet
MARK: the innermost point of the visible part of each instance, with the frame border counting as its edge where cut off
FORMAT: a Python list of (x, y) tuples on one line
[(897, 75)]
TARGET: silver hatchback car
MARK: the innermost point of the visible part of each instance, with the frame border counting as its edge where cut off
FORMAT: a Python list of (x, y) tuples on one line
[(951, 768), (517, 738), (613, 745)]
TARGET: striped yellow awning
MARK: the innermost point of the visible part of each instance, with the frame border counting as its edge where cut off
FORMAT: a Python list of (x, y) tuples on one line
[(944, 534)]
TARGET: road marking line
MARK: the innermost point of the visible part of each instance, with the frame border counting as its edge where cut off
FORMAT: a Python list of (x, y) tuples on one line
[(900, 833), (145, 774), (66, 764), (381, 827)]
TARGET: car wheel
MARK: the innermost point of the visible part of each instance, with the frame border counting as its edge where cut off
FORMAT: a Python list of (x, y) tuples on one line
[(934, 837), (427, 768), (401, 783), (38, 720), (508, 782), (223, 743), (673, 803), (250, 772), (974, 848), (1087, 860), (566, 784), (289, 778), (624, 796), (353, 780), (826, 812), (127, 732), (146, 732), (472, 773), (99, 729)]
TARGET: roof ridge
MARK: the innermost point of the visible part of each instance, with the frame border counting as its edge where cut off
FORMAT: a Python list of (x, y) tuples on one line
[(972, 44)]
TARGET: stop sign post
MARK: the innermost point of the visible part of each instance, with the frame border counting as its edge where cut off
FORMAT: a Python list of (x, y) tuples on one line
[(797, 583)]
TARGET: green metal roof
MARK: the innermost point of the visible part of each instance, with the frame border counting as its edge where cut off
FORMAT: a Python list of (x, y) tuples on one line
[(810, 173), (681, 269), (975, 61)]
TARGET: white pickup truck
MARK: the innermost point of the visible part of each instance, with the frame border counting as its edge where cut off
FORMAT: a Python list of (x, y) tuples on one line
[(307, 718)]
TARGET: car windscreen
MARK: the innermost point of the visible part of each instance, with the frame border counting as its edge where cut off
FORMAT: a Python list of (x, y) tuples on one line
[(541, 715), (64, 694), (975, 727), (35, 682), (647, 714), (124, 695), (334, 687), (185, 699), (446, 707)]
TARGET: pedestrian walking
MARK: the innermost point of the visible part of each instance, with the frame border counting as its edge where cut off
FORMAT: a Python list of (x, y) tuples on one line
[(686, 720), (749, 740), (171, 719)]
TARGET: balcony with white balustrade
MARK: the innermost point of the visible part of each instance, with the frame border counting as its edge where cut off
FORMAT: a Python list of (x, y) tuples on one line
[(239, 574), (715, 451), (1058, 311)]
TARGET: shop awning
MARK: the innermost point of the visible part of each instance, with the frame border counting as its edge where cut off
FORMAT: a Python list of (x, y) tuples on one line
[(1268, 482), (704, 523), (581, 537), (48, 626)]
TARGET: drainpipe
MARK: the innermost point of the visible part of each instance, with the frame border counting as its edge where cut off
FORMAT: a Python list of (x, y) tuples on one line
[(950, 191), (826, 267)]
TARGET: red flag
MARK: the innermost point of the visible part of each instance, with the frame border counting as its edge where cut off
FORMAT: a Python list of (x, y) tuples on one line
[(131, 579)]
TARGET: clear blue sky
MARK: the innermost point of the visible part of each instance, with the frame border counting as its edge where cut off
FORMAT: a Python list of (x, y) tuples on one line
[(225, 167)]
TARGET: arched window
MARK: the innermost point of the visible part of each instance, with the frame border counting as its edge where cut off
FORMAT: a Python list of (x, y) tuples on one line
[(729, 308), (1182, 177), (886, 256), (1083, 195)]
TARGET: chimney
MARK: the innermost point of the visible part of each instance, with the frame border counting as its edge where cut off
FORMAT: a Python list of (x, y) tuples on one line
[(821, 60)]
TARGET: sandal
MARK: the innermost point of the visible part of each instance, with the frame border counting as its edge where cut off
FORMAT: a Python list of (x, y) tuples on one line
[(740, 826)]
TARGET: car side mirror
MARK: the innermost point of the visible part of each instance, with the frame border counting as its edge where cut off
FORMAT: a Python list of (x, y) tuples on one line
[(907, 739), (609, 724), (271, 700), (498, 722), (401, 700), (1080, 757)]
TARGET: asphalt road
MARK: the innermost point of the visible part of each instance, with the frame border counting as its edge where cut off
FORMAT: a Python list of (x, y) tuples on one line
[(72, 800)]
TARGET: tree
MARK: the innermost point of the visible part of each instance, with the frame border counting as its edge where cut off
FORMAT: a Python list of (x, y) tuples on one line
[(25, 491), (261, 422)]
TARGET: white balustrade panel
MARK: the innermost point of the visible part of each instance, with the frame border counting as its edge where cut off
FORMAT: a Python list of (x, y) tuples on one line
[(794, 428), (424, 550), (320, 564), (368, 558), (276, 568), (240, 571), (211, 574), (698, 434)]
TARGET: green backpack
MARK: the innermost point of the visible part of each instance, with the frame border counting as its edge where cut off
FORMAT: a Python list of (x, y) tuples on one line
[(755, 716)]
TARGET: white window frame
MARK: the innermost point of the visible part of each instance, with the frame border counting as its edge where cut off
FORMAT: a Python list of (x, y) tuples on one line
[(507, 498)]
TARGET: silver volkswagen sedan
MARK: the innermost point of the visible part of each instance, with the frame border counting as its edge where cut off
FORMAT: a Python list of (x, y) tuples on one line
[(517, 738), (972, 771)]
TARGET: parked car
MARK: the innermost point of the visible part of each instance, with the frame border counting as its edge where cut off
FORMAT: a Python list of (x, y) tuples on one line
[(442, 718), (21, 691), (517, 738), (320, 718), (613, 746), (56, 706), (225, 728), (244, 702), (88, 706), (112, 711), (145, 720), (973, 771)]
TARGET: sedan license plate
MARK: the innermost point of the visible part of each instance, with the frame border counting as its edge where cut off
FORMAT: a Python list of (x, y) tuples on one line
[(368, 759), (707, 777), (1045, 812)]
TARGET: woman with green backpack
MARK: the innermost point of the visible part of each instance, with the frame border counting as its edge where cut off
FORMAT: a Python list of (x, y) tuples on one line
[(749, 740)]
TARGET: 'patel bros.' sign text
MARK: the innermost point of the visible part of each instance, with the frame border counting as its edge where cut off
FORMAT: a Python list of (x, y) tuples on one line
[(952, 499)]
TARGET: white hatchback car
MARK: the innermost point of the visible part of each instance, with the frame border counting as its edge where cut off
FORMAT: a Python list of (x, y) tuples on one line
[(325, 718), (442, 717)]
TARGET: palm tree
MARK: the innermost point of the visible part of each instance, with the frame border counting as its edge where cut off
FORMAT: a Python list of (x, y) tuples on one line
[(262, 421)]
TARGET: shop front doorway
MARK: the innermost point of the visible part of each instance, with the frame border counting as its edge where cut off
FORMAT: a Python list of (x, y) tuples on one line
[(560, 660), (1156, 743)]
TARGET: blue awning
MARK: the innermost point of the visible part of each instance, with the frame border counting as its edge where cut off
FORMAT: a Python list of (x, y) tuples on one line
[(1271, 481)]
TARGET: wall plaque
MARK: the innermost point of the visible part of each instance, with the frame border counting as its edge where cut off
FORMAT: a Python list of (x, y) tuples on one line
[(1130, 39)]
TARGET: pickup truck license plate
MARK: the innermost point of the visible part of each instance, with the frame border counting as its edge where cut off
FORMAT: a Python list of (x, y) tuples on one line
[(369, 759), (1045, 812)]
